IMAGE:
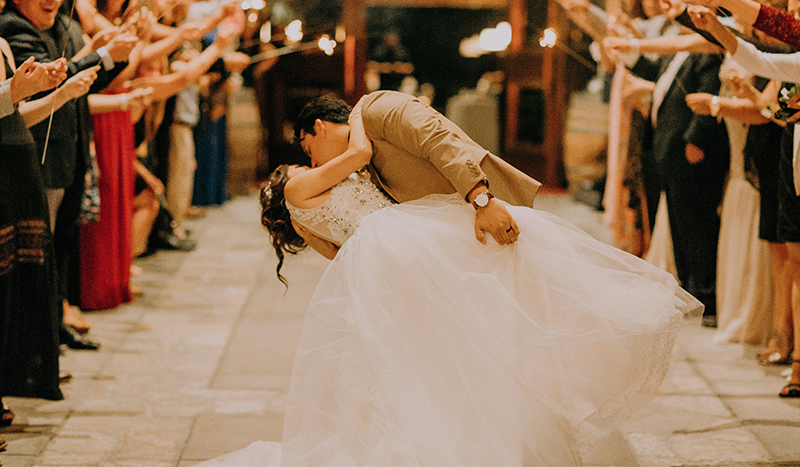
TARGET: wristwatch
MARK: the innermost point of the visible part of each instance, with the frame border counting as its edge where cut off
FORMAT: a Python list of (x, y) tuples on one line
[(768, 111), (481, 199)]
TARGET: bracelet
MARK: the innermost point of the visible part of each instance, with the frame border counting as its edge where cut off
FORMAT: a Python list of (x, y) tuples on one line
[(636, 44), (123, 100), (714, 106)]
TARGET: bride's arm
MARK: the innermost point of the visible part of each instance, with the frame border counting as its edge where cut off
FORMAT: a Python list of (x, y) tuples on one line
[(314, 182), (321, 246)]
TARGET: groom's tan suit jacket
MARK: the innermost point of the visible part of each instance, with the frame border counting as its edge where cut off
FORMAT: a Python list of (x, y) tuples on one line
[(417, 152)]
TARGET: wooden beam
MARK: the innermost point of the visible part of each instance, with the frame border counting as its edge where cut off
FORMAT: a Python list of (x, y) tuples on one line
[(355, 49), (498, 4)]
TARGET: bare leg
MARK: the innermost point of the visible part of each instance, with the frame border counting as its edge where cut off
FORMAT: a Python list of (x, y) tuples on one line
[(780, 345), (74, 317), (145, 211), (793, 271)]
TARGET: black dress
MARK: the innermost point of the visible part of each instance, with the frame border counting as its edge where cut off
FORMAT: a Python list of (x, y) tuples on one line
[(29, 313)]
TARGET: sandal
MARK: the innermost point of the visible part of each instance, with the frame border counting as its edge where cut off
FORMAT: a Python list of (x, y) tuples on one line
[(3, 444), (790, 391), (6, 416), (778, 351)]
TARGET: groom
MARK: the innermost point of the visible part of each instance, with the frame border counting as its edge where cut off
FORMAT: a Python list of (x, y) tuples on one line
[(417, 152)]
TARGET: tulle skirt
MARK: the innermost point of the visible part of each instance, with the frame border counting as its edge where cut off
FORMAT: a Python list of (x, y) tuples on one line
[(423, 347)]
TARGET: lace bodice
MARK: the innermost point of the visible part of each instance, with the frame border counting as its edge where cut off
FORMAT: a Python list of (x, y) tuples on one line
[(337, 219)]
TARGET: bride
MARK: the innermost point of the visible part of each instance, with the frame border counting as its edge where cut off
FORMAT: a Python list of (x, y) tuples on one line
[(423, 347)]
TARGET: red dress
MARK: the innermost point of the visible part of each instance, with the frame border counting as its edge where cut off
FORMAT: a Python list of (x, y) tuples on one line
[(778, 24), (105, 245)]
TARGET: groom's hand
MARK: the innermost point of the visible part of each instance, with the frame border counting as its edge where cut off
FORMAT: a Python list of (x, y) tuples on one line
[(323, 247), (495, 219)]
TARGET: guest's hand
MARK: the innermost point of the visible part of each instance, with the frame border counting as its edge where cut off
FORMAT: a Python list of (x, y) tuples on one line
[(616, 47), (57, 72), (236, 62), (192, 31), (32, 77), (694, 154), (706, 3), (104, 37), (699, 102), (495, 219), (323, 247), (140, 24), (672, 8), (138, 99), (120, 47), (703, 18), (225, 36), (79, 84)]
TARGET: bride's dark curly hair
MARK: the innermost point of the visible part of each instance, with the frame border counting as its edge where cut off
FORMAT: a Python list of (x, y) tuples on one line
[(275, 217)]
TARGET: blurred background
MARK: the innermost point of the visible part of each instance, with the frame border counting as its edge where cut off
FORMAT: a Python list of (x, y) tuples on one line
[(516, 75)]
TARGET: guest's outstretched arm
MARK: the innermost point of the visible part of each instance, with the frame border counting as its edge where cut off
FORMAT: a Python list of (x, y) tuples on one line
[(785, 67), (776, 23)]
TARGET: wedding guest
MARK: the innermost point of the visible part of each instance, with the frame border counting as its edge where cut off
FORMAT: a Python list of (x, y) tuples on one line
[(690, 156), (782, 67), (34, 28), (185, 117), (30, 309), (763, 149), (777, 23), (164, 85)]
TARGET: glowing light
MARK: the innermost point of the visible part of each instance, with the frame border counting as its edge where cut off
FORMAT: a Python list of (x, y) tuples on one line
[(549, 38), (265, 33), (470, 47), (496, 39), (341, 33), (326, 45), (257, 4), (245, 5), (294, 31), (252, 18)]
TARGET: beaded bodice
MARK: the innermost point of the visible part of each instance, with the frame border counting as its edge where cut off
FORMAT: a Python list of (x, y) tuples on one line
[(337, 219)]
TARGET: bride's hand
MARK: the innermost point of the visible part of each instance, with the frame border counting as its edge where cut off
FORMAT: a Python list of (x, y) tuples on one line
[(359, 143)]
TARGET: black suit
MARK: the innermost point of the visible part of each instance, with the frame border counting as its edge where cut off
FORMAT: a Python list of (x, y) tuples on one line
[(71, 128), (68, 153), (694, 191)]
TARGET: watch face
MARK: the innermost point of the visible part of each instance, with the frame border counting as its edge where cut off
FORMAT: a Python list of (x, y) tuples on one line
[(482, 199)]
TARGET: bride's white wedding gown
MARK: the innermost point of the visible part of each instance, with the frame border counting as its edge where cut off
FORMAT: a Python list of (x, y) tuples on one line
[(423, 347)]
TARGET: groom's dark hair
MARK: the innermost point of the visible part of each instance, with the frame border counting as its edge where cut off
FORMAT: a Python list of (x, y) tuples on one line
[(328, 109)]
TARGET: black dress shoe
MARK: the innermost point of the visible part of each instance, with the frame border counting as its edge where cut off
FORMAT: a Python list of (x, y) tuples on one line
[(709, 321), (72, 339), (170, 241)]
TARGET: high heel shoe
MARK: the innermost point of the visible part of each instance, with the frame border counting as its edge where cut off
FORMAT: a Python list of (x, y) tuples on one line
[(6, 415), (778, 351)]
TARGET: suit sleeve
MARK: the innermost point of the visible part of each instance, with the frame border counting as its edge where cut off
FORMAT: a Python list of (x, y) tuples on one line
[(701, 127), (646, 69), (104, 76), (421, 131)]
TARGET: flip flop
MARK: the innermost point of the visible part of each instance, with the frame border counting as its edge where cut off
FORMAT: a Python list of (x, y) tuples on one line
[(790, 391)]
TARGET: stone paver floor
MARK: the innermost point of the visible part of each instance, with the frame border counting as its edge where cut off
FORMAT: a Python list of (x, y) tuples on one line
[(200, 364)]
